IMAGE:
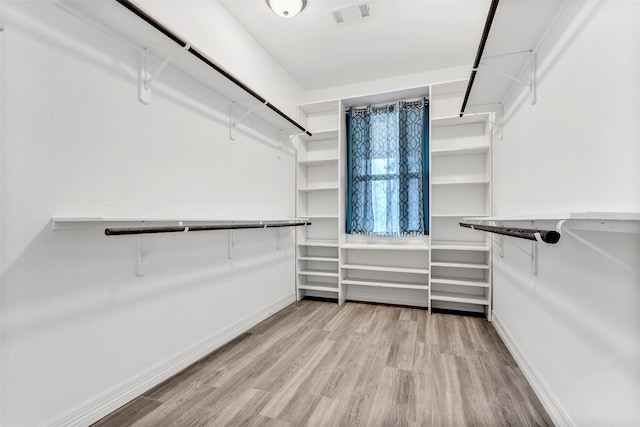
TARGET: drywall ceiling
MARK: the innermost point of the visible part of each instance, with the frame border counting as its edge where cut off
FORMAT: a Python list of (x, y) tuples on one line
[(401, 37)]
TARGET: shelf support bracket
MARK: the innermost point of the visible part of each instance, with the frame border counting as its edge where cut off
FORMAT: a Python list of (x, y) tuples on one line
[(531, 84), (142, 260), (232, 243), (146, 76), (280, 234), (561, 229), (235, 122)]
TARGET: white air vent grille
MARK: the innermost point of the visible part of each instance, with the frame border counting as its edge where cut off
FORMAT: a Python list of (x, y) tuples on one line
[(353, 13)]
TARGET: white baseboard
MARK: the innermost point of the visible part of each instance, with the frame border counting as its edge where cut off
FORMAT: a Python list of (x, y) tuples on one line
[(551, 404), (105, 403)]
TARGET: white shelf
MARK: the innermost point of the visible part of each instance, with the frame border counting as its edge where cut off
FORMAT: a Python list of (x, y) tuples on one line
[(383, 284), (460, 246), (532, 21), (582, 216), (124, 26), (459, 265), (457, 120), (467, 182), (320, 135), (386, 246), (459, 282), (319, 273), (479, 149), (455, 297), (320, 162), (448, 215), (317, 258), (311, 189), (319, 243), (323, 288), (383, 268), (58, 222)]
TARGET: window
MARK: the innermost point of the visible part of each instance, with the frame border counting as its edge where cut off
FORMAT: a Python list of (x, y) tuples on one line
[(388, 169)]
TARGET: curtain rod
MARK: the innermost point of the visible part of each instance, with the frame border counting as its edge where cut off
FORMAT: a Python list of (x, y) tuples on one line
[(184, 229), (483, 42), (423, 99), (547, 236), (158, 26)]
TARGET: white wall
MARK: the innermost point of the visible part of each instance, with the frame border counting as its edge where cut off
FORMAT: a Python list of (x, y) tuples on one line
[(577, 323), (81, 333)]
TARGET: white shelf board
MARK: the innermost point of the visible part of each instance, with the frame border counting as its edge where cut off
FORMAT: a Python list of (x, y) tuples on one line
[(323, 288), (459, 265), (319, 243), (311, 189), (531, 19), (320, 162), (456, 297), (322, 217), (460, 246), (386, 246), (457, 120), (459, 151), (317, 273), (383, 268), (451, 215), (459, 282), (320, 135), (318, 259), (58, 221), (559, 216), (125, 26), (461, 182), (383, 284)]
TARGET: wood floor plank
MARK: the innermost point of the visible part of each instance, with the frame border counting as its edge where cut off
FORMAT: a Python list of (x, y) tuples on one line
[(320, 364)]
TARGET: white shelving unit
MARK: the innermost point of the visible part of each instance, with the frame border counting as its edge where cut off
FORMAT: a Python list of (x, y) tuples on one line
[(460, 262), (318, 198), (450, 268)]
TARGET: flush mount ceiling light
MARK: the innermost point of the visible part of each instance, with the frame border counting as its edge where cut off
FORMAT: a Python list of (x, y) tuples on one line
[(287, 8)]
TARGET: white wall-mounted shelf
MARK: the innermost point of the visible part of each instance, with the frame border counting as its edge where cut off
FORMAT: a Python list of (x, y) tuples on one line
[(456, 297), (459, 282), (459, 265), (318, 287), (320, 162), (506, 50), (384, 268), (460, 246), (318, 259), (483, 149), (318, 243), (383, 284), (582, 216), (386, 246), (60, 222), (462, 182), (141, 35), (319, 273), (310, 189)]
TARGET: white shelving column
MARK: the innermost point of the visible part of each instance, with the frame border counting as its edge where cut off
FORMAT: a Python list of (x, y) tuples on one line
[(318, 196), (460, 183)]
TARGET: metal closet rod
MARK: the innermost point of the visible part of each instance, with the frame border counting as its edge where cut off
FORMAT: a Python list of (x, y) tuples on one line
[(547, 236), (158, 26), (183, 229), (483, 42)]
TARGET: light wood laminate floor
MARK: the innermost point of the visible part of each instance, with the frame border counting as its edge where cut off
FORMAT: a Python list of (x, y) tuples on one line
[(318, 364)]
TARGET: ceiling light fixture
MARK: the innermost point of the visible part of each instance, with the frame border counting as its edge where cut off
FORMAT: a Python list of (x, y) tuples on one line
[(287, 8)]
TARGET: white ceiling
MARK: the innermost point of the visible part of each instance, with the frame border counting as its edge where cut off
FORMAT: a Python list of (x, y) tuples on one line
[(402, 37)]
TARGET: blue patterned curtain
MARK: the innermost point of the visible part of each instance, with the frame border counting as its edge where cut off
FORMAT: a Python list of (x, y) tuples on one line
[(388, 169)]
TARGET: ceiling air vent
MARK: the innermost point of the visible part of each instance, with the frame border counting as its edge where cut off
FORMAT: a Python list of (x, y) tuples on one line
[(353, 13)]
